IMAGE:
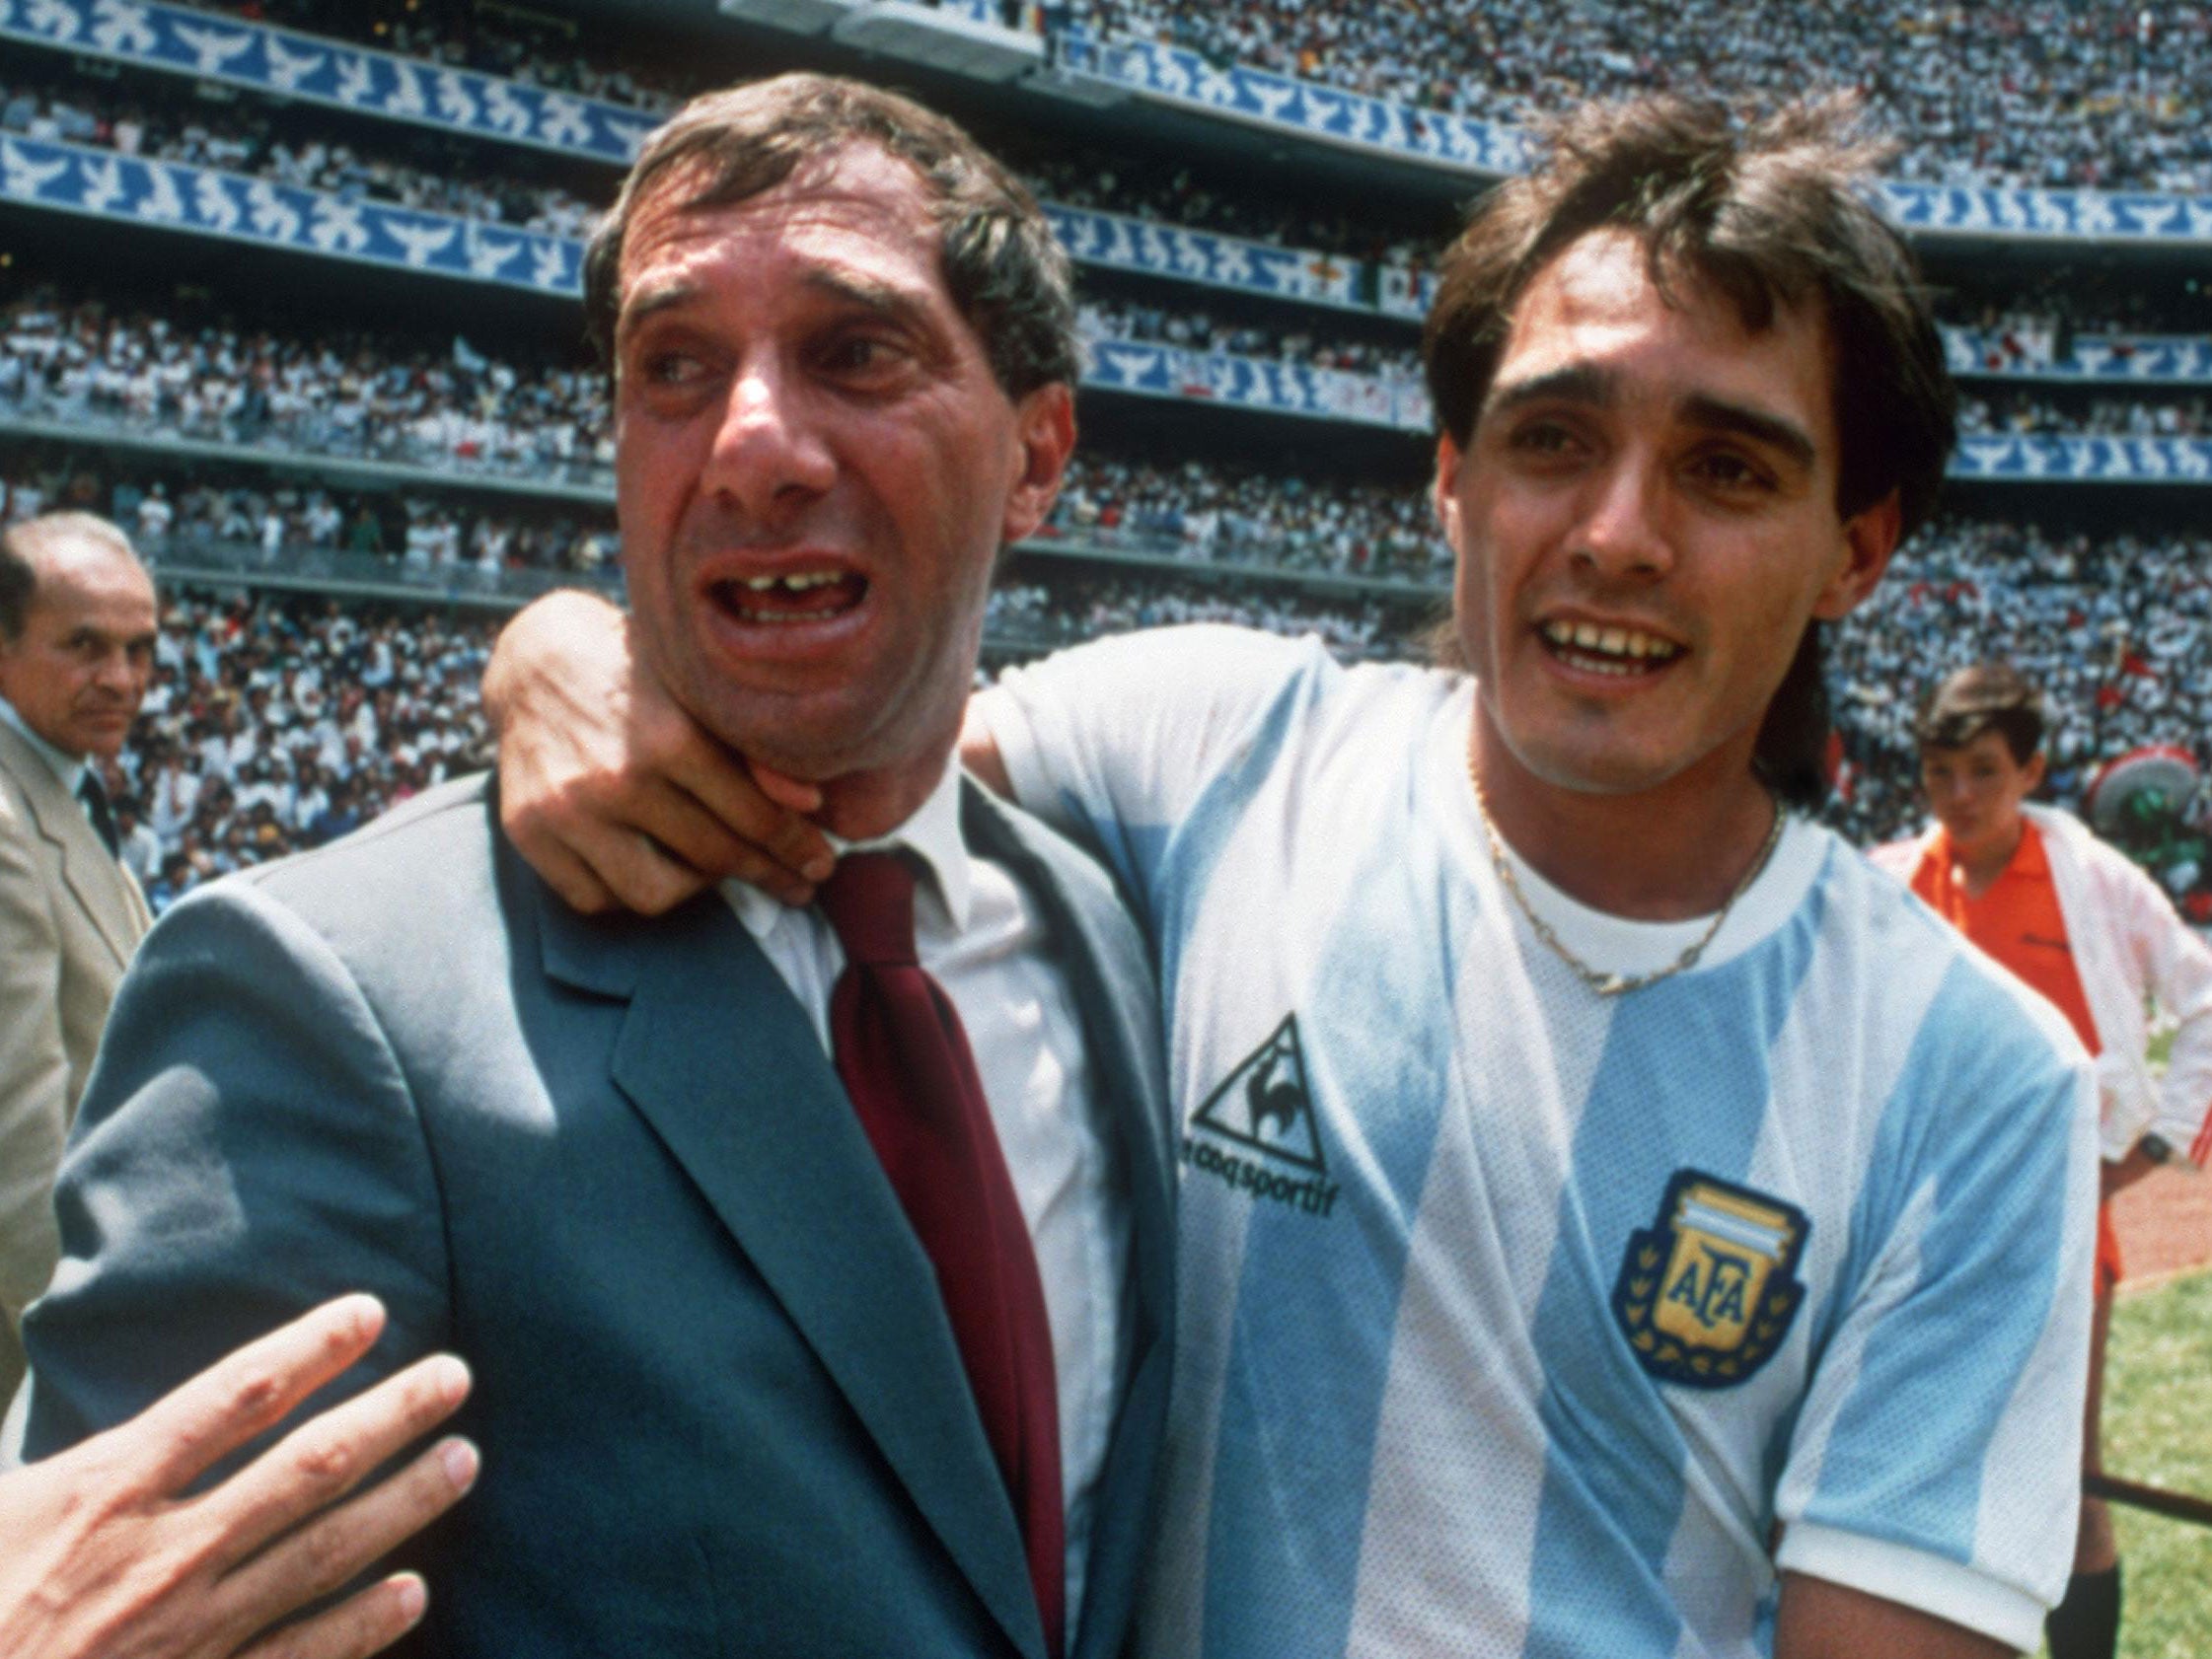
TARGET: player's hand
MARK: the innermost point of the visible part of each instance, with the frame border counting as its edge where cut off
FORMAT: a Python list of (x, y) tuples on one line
[(613, 793), (101, 1556)]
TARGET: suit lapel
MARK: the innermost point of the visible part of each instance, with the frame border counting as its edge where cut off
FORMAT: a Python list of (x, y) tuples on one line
[(103, 889), (718, 1056), (1126, 1057)]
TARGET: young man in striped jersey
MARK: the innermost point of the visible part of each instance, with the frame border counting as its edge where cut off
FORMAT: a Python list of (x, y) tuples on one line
[(1616, 1221), (2086, 928)]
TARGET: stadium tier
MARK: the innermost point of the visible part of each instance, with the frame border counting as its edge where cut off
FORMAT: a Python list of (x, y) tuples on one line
[(289, 289)]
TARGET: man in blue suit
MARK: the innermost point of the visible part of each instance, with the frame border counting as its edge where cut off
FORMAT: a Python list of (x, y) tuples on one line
[(737, 1384)]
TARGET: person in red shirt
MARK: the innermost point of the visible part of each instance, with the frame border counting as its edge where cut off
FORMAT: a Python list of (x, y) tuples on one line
[(2083, 926)]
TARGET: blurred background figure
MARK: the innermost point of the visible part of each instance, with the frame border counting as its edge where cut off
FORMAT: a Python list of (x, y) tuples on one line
[(2084, 927), (75, 646)]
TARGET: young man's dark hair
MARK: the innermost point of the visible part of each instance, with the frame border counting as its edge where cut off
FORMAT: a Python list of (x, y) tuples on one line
[(1008, 273), (1988, 698), (1771, 214)]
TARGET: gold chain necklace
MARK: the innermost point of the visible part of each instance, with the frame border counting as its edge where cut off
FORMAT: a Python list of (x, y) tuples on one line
[(1612, 985)]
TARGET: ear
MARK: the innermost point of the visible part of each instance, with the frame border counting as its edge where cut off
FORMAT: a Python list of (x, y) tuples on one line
[(2031, 774), (1045, 427), (1870, 537), (1444, 493)]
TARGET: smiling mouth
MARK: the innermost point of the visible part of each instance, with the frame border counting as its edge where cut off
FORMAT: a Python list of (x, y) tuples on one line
[(797, 596), (1617, 651)]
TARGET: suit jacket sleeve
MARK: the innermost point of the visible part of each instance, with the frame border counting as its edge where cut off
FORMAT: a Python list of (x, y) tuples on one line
[(249, 1146), (34, 1080)]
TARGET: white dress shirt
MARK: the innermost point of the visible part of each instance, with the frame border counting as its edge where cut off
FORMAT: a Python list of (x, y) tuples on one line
[(983, 940)]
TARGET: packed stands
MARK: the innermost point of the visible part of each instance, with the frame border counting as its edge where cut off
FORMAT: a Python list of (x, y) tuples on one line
[(2054, 92), (443, 443)]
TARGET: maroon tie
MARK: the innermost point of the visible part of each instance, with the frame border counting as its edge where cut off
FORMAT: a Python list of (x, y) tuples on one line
[(905, 1064)]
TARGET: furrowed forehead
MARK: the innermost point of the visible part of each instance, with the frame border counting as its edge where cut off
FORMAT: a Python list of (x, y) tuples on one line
[(867, 198)]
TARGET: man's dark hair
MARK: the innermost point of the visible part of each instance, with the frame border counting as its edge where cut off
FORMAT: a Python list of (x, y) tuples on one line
[(22, 543), (1006, 273), (1988, 698), (1772, 214)]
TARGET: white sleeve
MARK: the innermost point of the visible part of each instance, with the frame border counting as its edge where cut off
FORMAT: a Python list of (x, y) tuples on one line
[(2175, 965), (1935, 1459), (1114, 743)]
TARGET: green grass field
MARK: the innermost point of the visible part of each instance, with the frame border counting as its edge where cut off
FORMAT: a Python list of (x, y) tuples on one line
[(2155, 1432)]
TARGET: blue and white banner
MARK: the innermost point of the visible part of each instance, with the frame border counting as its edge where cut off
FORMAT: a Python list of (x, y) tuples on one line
[(2051, 215), (1220, 261), (2084, 460), (324, 71), (1999, 353), (1404, 292), (1261, 384), (311, 67), (1329, 114), (172, 195)]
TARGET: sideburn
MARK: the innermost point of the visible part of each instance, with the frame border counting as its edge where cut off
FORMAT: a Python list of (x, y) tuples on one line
[(1791, 754)]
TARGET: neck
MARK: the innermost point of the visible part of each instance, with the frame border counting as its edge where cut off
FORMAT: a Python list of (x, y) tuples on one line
[(860, 805), (1978, 866), (1668, 853)]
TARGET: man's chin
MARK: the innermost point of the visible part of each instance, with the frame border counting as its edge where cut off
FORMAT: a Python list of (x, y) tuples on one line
[(1610, 772), (811, 737)]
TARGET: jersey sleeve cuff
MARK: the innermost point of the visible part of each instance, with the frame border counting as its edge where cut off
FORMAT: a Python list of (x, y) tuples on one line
[(1914, 1578)]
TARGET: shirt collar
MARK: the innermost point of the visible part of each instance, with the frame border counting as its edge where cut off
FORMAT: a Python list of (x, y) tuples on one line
[(931, 834), (70, 768)]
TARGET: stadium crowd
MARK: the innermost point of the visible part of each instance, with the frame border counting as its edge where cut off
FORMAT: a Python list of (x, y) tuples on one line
[(2134, 417), (343, 393), (162, 122), (1195, 198), (1207, 513), (1195, 328), (2097, 93), (453, 408), (2104, 94), (2115, 630), (1191, 511), (442, 176), (273, 724)]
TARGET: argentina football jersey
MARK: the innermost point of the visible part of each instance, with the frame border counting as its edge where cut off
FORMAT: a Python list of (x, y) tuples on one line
[(1523, 1321)]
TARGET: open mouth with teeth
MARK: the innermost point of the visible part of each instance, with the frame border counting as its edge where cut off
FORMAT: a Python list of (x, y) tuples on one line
[(796, 596), (1598, 649)]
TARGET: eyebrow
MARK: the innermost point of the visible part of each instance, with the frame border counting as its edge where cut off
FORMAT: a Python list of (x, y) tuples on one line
[(1579, 383), (878, 297), (1597, 388), (642, 305), (1716, 414)]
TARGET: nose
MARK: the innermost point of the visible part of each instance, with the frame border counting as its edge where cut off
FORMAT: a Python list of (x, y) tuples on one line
[(771, 452), (1620, 535), (1952, 791), (119, 674)]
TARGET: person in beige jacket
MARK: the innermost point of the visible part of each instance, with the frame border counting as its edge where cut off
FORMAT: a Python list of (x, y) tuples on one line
[(77, 622), (123, 1544)]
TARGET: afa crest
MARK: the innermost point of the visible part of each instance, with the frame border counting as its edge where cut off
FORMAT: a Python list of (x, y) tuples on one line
[(1708, 1292)]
